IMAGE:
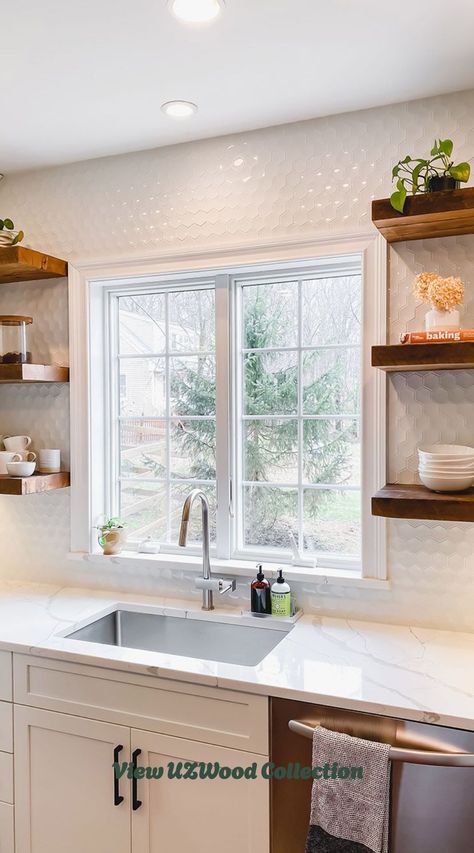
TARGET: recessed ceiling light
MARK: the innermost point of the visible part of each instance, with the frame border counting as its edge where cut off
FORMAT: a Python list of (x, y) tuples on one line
[(179, 109), (196, 11)]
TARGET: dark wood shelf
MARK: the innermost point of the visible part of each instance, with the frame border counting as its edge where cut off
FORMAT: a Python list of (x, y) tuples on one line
[(446, 214), (34, 484), (20, 264), (418, 502), (446, 356), (31, 373)]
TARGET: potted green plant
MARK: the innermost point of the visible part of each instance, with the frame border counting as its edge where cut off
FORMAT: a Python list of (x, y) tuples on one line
[(438, 173), (8, 235), (112, 535)]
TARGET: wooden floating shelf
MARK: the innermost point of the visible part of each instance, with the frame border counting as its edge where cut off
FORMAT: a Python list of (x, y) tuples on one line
[(20, 264), (446, 356), (445, 214), (418, 502), (31, 373), (33, 485)]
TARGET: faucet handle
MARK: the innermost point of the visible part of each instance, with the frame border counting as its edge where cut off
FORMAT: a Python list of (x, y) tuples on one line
[(228, 585), (216, 584)]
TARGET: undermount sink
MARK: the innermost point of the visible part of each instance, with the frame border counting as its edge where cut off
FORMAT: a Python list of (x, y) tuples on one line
[(190, 637)]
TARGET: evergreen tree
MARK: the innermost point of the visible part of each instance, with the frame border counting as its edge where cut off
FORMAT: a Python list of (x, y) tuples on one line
[(269, 445)]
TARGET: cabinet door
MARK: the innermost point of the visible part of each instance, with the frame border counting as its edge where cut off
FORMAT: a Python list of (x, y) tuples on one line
[(64, 784), (205, 816), (6, 829)]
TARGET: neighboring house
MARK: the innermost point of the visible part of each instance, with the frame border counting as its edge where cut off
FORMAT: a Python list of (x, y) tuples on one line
[(143, 381), (143, 445)]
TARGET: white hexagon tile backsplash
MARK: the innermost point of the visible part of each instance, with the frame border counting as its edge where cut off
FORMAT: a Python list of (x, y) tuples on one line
[(293, 181)]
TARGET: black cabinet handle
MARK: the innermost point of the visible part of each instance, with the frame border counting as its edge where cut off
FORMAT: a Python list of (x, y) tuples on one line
[(117, 797), (136, 803)]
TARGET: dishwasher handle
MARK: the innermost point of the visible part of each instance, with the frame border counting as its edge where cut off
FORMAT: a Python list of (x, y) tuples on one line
[(451, 758)]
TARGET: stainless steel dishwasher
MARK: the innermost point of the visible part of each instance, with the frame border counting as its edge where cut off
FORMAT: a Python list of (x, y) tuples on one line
[(432, 800)]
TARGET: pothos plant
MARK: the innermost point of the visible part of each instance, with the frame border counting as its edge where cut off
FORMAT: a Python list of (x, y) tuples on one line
[(107, 526), (6, 225), (415, 174)]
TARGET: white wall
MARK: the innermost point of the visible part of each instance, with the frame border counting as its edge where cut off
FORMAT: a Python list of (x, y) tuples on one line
[(296, 181)]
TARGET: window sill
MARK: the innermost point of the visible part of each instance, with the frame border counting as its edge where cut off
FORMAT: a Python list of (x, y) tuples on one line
[(236, 568)]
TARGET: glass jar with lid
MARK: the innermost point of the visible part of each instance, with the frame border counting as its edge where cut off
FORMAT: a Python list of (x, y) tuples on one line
[(14, 339)]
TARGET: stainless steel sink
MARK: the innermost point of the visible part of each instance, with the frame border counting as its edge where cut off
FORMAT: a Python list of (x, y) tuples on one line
[(195, 638)]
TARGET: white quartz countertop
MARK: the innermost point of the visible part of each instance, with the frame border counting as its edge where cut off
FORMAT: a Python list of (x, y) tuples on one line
[(415, 673)]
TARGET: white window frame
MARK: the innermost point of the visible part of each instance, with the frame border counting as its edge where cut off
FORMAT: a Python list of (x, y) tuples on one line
[(89, 284), (110, 296), (319, 268)]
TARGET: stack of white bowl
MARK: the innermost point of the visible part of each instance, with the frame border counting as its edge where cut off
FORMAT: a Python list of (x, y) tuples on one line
[(446, 467)]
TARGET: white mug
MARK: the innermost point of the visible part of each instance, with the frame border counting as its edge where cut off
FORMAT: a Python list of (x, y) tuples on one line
[(17, 443), (26, 455), (5, 457), (49, 461)]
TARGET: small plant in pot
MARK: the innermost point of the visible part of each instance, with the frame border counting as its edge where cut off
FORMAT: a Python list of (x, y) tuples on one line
[(112, 535), (438, 173), (8, 235)]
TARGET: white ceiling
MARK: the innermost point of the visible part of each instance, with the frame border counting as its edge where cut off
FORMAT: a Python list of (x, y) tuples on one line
[(86, 78)]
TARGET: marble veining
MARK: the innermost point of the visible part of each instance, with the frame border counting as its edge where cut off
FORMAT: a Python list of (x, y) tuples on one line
[(416, 673)]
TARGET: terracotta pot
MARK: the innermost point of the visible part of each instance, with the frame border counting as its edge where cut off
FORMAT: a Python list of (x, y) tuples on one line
[(114, 540)]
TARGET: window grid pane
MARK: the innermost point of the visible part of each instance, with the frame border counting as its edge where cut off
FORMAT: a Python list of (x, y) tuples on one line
[(313, 385), (166, 417), (299, 411)]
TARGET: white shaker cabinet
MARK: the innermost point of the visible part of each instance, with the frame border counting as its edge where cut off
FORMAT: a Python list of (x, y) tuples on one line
[(66, 797), (6, 756), (64, 784), (6, 828), (202, 816)]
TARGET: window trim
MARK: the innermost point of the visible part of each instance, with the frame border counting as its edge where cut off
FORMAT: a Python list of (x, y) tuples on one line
[(87, 282)]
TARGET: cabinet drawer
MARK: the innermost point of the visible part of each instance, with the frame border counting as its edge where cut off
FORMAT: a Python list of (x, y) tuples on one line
[(6, 778), (6, 829), (6, 728), (6, 676), (208, 714)]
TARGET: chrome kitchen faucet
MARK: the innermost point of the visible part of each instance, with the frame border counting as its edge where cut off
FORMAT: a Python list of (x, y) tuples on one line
[(207, 583)]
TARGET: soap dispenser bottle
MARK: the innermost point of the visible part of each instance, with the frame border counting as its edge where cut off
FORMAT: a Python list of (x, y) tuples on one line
[(281, 596), (260, 601)]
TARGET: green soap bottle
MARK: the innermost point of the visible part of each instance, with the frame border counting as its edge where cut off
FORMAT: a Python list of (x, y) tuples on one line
[(281, 596)]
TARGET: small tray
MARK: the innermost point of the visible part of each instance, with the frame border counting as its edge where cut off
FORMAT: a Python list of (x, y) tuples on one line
[(279, 620)]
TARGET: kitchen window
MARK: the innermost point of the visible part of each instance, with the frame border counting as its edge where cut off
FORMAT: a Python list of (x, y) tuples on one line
[(250, 380), (248, 385)]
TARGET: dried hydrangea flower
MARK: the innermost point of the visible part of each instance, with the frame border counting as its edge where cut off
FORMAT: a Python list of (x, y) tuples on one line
[(445, 293), (422, 283)]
